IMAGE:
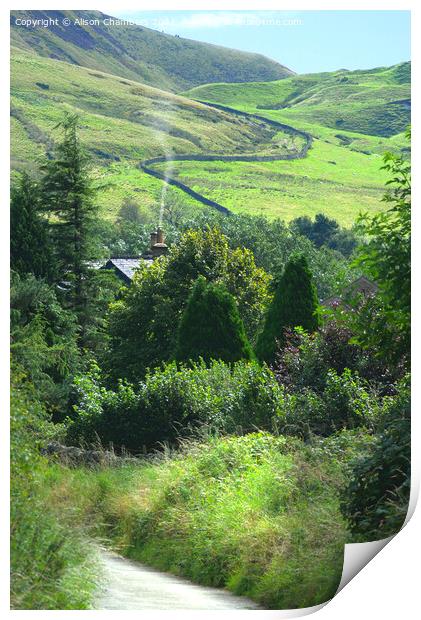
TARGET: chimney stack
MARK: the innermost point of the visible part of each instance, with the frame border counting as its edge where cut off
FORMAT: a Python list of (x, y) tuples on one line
[(154, 238), (160, 235), (158, 245)]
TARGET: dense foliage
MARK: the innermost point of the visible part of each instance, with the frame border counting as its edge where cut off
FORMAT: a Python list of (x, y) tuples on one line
[(211, 327), (178, 401), (387, 259), (67, 197), (325, 231), (143, 323), (31, 248), (306, 359), (376, 499), (43, 341), (173, 402), (50, 563), (294, 305), (273, 243)]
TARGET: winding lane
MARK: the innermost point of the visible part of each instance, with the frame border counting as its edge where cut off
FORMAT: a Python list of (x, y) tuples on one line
[(129, 585), (147, 164)]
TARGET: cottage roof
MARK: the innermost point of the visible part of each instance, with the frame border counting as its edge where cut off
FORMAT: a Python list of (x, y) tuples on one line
[(125, 267), (361, 285)]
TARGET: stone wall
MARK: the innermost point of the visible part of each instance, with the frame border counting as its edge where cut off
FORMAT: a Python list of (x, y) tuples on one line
[(147, 163)]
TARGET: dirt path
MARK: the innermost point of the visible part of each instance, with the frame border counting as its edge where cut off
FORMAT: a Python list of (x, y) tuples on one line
[(130, 585)]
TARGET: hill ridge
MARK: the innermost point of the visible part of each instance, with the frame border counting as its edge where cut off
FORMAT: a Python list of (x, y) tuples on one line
[(158, 59)]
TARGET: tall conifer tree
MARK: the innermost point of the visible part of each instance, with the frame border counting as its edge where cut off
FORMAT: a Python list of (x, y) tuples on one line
[(30, 243), (211, 326), (68, 199), (294, 305)]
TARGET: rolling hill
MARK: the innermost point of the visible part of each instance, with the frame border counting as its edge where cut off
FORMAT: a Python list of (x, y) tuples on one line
[(374, 102), (353, 117), (122, 123), (138, 53)]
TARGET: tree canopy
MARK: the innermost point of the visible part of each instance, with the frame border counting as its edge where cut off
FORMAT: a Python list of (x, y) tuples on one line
[(143, 323), (31, 249), (386, 258)]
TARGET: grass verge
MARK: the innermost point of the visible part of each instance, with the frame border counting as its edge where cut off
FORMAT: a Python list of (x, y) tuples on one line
[(252, 514)]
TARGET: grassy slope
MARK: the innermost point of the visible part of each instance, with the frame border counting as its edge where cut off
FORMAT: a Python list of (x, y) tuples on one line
[(341, 175), (248, 513), (373, 102), (139, 53), (122, 122)]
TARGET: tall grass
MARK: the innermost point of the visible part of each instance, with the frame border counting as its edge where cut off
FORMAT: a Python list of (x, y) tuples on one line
[(52, 562), (252, 514)]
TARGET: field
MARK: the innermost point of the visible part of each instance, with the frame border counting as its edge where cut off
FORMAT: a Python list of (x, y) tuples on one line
[(332, 180), (124, 122)]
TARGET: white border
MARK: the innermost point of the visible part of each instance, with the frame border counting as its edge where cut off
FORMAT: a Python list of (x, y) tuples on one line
[(388, 586)]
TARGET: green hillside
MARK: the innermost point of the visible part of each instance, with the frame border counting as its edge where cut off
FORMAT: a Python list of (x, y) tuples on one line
[(138, 53), (123, 122), (374, 102), (341, 174), (354, 117)]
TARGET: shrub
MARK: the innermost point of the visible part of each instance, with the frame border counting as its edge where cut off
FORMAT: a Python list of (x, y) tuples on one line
[(173, 402), (211, 327), (306, 359), (376, 499), (345, 402)]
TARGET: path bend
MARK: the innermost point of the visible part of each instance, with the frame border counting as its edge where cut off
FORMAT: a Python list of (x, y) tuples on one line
[(129, 585), (146, 164)]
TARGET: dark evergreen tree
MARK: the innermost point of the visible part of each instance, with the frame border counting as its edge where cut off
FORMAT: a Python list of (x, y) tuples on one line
[(68, 199), (211, 326), (323, 230), (294, 305), (320, 232), (30, 244)]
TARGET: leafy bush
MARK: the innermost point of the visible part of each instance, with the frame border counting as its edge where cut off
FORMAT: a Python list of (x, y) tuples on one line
[(386, 258), (175, 402), (376, 499), (345, 402), (172, 402), (306, 359)]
